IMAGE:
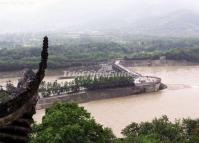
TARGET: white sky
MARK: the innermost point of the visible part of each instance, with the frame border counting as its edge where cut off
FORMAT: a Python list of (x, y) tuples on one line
[(34, 15)]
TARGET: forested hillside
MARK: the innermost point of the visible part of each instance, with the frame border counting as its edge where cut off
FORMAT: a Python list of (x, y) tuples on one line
[(89, 49)]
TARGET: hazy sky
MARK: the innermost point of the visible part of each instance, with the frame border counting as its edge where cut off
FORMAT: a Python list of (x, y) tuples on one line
[(36, 15)]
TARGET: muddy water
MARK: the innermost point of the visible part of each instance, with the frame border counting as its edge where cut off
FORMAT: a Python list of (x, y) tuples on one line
[(181, 99)]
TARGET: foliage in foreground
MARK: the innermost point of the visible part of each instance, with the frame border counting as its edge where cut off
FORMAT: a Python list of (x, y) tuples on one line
[(162, 131), (68, 123)]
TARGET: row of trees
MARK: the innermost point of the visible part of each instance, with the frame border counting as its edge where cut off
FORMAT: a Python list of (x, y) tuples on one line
[(47, 89), (84, 83), (93, 83), (68, 123)]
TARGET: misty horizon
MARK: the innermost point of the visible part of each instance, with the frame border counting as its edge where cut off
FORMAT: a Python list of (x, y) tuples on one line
[(24, 16)]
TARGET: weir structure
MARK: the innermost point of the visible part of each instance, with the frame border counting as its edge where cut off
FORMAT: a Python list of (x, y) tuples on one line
[(117, 66), (139, 79), (142, 84), (17, 110)]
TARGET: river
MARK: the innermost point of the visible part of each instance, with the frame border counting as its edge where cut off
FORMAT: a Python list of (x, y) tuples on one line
[(179, 100)]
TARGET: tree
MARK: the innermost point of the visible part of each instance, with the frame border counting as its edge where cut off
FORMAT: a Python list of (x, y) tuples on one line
[(68, 123), (163, 131)]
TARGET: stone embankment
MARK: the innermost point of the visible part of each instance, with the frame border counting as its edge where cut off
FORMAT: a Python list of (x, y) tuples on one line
[(88, 96), (143, 84)]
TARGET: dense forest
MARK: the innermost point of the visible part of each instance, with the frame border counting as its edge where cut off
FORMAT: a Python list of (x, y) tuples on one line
[(89, 50)]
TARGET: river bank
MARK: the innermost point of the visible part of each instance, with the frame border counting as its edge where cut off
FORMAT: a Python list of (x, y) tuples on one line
[(153, 63)]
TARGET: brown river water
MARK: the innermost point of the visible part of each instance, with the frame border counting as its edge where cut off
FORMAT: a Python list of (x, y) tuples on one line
[(179, 100)]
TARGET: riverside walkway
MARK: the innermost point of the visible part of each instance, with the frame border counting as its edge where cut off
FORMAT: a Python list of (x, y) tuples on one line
[(121, 68), (140, 80)]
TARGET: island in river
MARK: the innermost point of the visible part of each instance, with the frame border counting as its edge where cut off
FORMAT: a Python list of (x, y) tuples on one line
[(179, 100)]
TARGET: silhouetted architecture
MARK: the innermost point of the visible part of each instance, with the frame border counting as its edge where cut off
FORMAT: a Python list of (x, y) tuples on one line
[(16, 110)]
